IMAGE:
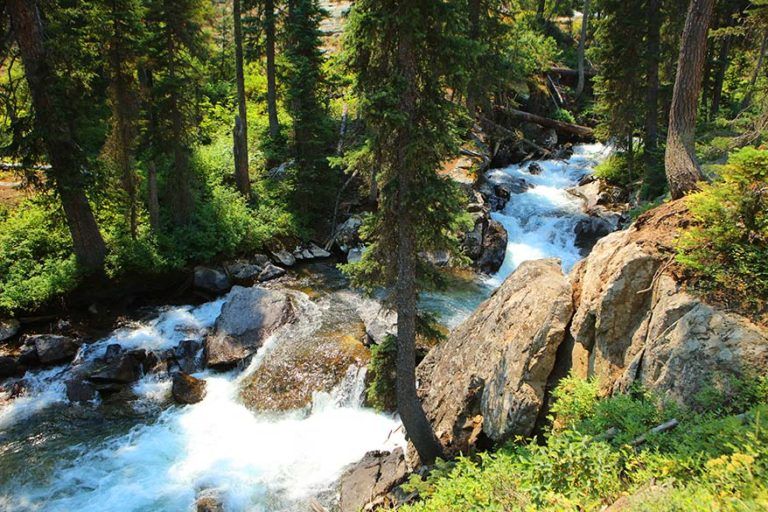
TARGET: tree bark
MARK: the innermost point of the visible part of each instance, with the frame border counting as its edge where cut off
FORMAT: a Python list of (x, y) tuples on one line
[(153, 204), (652, 90), (269, 28), (717, 86), (683, 171), (241, 133), (408, 404), (56, 130), (582, 46)]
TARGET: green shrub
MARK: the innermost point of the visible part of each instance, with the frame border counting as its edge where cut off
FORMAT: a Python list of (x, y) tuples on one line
[(728, 246), (36, 260), (564, 115), (710, 462), (616, 169)]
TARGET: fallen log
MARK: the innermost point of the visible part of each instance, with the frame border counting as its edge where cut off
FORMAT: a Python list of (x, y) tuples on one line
[(570, 72), (664, 427), (515, 136), (583, 132)]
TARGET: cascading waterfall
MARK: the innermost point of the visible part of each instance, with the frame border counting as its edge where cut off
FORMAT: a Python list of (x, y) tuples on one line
[(149, 455)]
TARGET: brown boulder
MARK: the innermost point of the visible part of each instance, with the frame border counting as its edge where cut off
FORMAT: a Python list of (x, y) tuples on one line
[(375, 475), (489, 376), (187, 389)]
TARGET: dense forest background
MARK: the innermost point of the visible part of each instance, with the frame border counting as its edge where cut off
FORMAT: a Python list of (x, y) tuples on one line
[(122, 129)]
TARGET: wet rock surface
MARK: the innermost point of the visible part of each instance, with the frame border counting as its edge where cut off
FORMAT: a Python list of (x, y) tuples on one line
[(52, 348), (187, 389), (248, 318)]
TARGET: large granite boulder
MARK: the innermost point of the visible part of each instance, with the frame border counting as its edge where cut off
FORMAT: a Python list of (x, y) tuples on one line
[(248, 318), (375, 475), (489, 377), (636, 323)]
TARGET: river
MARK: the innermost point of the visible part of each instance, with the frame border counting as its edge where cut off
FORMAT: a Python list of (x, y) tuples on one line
[(147, 454)]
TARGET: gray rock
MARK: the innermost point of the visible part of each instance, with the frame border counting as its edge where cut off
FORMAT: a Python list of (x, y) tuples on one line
[(117, 369), (185, 356), (270, 272), (375, 475), (9, 328), (348, 234), (355, 254), (53, 349), (243, 272), (260, 259), (489, 375), (248, 318), (80, 391), (379, 321), (318, 252), (535, 168), (284, 258), (504, 185), (8, 367), (494, 248), (589, 230), (211, 280), (187, 389)]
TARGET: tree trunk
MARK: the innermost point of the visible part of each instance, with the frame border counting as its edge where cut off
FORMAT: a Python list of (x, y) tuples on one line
[(582, 46), (652, 89), (474, 35), (269, 20), (242, 177), (409, 406), (55, 128), (683, 171), (560, 126), (756, 75), (717, 86), (153, 203)]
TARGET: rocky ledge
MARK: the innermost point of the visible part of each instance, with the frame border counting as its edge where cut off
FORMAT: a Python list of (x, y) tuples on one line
[(623, 316)]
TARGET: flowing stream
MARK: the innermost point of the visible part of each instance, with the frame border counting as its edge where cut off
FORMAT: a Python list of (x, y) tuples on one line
[(147, 454)]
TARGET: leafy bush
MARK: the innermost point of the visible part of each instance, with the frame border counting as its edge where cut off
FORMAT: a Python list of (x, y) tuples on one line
[(710, 462), (728, 246), (618, 169), (36, 260), (564, 115)]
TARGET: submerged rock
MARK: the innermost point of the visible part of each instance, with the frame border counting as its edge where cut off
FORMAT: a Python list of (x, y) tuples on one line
[(489, 376), (248, 318), (80, 391), (296, 369), (187, 389), (53, 349), (209, 500), (117, 369), (374, 476)]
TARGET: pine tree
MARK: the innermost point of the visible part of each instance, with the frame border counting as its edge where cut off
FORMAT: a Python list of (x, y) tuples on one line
[(241, 121), (311, 129), (176, 45), (399, 50), (57, 116), (121, 21)]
